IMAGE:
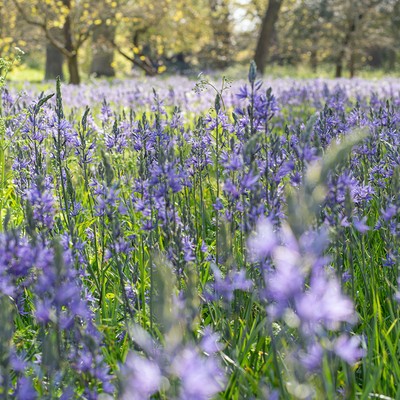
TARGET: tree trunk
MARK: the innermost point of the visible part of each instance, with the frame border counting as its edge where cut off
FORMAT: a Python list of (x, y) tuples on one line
[(73, 70), (314, 60), (339, 69), (266, 32), (392, 60), (54, 57), (348, 40), (54, 63), (339, 65), (72, 60), (103, 53), (352, 65)]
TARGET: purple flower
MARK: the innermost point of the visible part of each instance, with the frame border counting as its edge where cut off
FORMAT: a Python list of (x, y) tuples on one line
[(43, 311), (243, 92), (188, 249), (218, 206), (201, 377), (144, 379), (261, 244), (25, 390), (312, 358), (389, 213), (285, 169), (106, 112), (360, 225), (210, 342), (397, 293), (42, 204), (249, 181), (285, 283), (231, 190), (324, 304), (234, 280), (348, 348)]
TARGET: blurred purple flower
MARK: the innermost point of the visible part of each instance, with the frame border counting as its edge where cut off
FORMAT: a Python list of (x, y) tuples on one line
[(361, 225), (25, 389), (201, 377), (144, 378), (311, 359), (324, 304), (262, 242), (348, 348)]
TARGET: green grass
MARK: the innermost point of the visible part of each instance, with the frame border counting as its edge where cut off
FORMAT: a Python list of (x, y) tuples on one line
[(25, 73)]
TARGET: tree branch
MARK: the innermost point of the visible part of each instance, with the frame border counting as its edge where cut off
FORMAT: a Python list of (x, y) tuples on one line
[(145, 66), (43, 25)]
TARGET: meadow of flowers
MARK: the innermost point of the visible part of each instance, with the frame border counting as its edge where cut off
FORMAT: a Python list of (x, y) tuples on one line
[(237, 241)]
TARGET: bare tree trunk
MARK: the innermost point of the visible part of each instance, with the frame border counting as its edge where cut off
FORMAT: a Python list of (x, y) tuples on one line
[(103, 53), (73, 70), (72, 59), (54, 63), (54, 59), (266, 32), (352, 64), (392, 60), (347, 40), (315, 46), (339, 63), (314, 60)]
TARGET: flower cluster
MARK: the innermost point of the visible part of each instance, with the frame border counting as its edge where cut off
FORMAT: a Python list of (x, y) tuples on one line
[(275, 211)]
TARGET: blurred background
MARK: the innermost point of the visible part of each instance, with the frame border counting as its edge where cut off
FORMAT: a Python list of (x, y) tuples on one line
[(78, 39)]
